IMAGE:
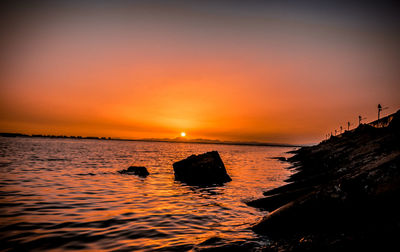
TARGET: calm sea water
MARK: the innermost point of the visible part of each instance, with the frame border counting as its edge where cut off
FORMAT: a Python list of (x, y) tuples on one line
[(66, 194)]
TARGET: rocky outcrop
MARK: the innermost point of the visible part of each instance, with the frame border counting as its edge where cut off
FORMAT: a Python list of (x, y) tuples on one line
[(203, 169), (283, 159), (140, 171), (343, 197)]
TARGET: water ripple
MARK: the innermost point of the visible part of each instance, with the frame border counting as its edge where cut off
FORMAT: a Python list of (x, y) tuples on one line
[(66, 194)]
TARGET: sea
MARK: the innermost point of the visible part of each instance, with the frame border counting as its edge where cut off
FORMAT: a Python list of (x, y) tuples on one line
[(67, 194)]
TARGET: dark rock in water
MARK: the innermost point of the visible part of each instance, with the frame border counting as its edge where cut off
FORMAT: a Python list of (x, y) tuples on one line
[(283, 159), (141, 171), (203, 169), (275, 201)]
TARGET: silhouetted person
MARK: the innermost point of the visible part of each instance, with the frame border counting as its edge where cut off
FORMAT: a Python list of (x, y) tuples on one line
[(348, 125), (360, 119), (379, 110)]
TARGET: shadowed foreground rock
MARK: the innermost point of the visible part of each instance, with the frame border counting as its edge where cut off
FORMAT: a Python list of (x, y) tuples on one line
[(203, 169), (344, 196), (140, 171)]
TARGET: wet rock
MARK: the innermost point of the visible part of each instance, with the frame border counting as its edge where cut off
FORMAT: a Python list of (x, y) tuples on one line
[(275, 201), (140, 171), (283, 159), (203, 169)]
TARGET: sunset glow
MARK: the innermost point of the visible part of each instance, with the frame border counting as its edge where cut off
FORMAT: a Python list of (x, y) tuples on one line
[(188, 125), (256, 73)]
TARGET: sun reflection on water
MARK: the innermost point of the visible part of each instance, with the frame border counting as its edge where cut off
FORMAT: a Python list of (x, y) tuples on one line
[(67, 194)]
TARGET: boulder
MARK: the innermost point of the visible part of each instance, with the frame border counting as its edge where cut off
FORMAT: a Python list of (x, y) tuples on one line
[(203, 169), (140, 171), (283, 159)]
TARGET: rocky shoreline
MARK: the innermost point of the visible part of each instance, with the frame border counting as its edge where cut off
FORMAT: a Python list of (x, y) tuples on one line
[(343, 197)]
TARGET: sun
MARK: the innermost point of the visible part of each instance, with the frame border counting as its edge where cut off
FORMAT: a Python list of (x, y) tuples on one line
[(183, 134)]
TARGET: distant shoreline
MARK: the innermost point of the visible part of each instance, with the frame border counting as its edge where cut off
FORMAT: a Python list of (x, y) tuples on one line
[(196, 141)]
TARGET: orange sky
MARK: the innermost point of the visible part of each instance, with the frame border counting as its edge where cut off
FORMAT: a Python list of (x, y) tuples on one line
[(250, 74)]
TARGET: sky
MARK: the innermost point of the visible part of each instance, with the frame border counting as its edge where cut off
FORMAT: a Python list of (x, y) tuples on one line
[(267, 71)]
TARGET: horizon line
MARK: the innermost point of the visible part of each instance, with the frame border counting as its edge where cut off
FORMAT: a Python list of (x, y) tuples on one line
[(169, 140)]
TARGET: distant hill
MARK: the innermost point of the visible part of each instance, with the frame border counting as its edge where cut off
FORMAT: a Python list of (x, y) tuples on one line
[(174, 140)]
